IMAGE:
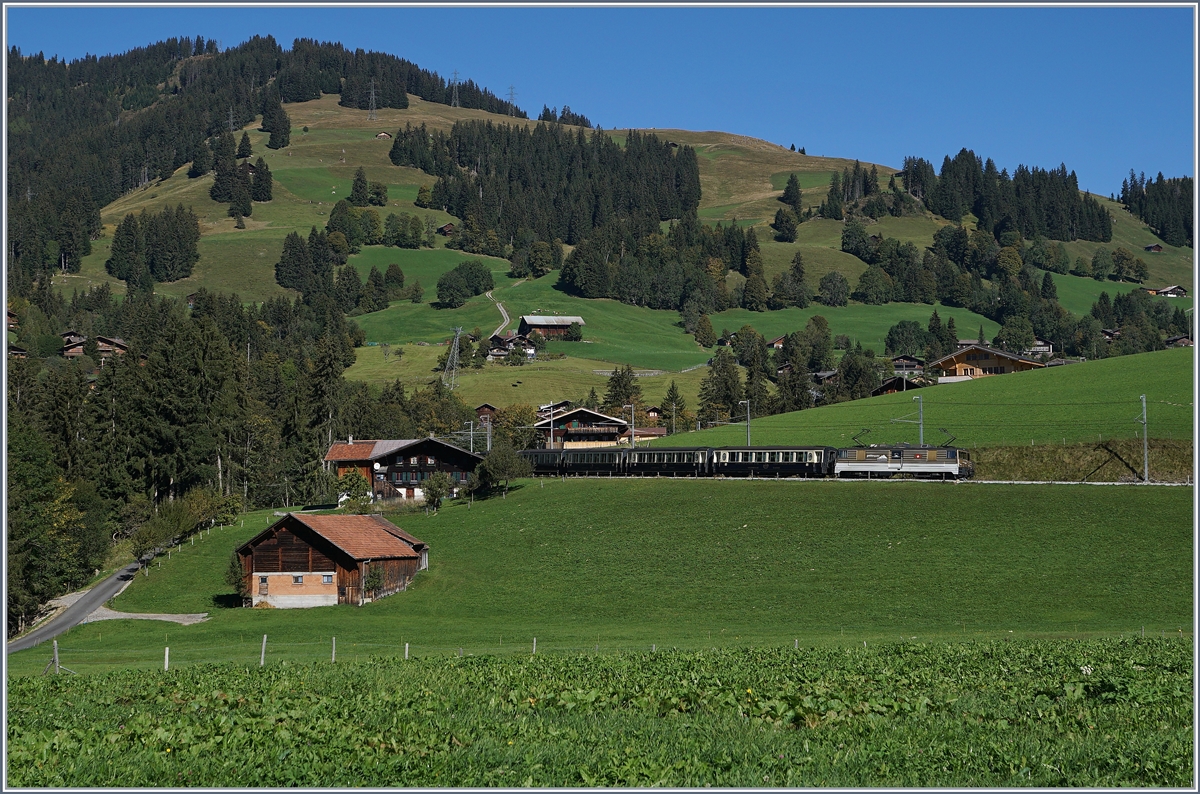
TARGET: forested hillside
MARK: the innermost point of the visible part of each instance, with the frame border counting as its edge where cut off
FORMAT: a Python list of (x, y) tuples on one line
[(83, 133)]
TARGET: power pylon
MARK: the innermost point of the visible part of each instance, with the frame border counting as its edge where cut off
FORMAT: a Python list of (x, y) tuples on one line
[(371, 114), (231, 118), (454, 91), (512, 96), (450, 374)]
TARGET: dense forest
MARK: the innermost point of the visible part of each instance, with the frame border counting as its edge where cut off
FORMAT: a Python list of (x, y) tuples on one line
[(504, 180), (237, 401), (84, 132), (1032, 202), (1164, 204)]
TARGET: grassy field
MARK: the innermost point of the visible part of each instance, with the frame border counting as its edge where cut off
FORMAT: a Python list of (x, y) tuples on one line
[(1074, 403), (620, 565), (1099, 713), (536, 383)]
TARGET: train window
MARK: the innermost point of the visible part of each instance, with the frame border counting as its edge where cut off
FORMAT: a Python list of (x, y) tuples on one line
[(897, 454), (724, 457)]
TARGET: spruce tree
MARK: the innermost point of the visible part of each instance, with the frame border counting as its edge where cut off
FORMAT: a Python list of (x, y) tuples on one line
[(1049, 291), (262, 185), (359, 195), (791, 193), (202, 162), (127, 254), (705, 336), (243, 149)]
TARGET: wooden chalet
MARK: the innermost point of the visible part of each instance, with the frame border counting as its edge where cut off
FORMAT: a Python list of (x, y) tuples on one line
[(550, 327), (977, 361), (969, 342), (581, 428), (907, 365), (1110, 334), (654, 412), (12, 320), (72, 337), (1173, 291), (1153, 249), (322, 560), (383, 136), (446, 229), (899, 383), (1182, 340), (106, 346), (17, 352), (485, 413), (500, 346), (777, 342), (397, 468), (1040, 347)]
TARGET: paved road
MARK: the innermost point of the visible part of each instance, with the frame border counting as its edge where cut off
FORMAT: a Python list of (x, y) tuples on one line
[(74, 614), (503, 313)]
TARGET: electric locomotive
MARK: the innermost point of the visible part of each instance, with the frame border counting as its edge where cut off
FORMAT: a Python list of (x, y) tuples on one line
[(886, 460)]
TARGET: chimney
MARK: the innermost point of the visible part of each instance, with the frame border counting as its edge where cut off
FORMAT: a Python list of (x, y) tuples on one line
[(349, 439)]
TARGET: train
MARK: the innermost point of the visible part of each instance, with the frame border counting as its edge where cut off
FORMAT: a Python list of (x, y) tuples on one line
[(878, 461)]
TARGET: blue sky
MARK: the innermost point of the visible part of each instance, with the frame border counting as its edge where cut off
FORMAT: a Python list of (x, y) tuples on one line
[(1100, 89)]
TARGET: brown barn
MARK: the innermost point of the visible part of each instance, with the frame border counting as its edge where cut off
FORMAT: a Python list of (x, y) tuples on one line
[(17, 352), (446, 229), (311, 560), (485, 413), (550, 327), (1154, 249), (12, 320)]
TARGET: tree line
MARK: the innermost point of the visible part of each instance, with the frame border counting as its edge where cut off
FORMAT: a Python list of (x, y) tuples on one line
[(567, 116), (505, 179), (238, 400), (1164, 204), (1031, 202), (84, 132)]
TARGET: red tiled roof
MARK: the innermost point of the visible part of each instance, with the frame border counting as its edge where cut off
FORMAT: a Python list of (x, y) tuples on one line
[(359, 450), (362, 537), (400, 533)]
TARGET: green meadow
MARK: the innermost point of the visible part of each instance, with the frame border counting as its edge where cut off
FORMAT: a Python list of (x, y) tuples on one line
[(1091, 401), (611, 565)]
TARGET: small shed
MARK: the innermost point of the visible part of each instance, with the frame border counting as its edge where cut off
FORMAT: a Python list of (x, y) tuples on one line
[(1154, 249), (322, 560), (383, 136), (12, 320), (485, 413), (17, 352), (446, 229)]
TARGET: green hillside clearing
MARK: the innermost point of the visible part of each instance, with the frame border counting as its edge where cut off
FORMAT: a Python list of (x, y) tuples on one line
[(1073, 403)]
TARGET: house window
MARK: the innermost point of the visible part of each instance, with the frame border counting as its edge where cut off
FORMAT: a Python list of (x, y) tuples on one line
[(430, 461), (412, 461), (262, 580), (297, 580), (327, 578)]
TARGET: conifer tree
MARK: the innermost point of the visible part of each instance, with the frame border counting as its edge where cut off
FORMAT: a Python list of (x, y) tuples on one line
[(128, 253), (358, 192), (791, 193), (262, 185), (1049, 291), (202, 162), (623, 389), (721, 388), (243, 150), (705, 336)]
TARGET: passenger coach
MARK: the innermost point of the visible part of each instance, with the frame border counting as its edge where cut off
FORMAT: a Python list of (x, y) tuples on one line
[(773, 462)]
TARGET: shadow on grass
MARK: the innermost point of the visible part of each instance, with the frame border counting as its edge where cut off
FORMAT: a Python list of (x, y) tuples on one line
[(227, 601)]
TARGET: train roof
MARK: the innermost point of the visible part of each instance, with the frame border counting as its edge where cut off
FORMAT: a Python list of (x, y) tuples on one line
[(779, 446)]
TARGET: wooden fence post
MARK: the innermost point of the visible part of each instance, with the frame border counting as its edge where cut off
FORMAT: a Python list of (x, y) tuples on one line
[(167, 658), (262, 657), (535, 644), (406, 651), (333, 656)]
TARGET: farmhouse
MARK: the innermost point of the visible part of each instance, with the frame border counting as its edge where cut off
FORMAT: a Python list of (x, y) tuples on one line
[(547, 326), (976, 361), (899, 383), (580, 429), (397, 468), (1182, 340), (106, 346), (907, 365), (553, 409), (1173, 291), (1040, 347), (1154, 249), (643, 434), (17, 352), (311, 561), (485, 413), (12, 320), (500, 346), (777, 342), (446, 229)]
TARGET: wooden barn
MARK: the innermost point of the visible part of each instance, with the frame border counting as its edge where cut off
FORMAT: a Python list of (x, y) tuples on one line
[(485, 413), (396, 468), (1154, 248), (12, 320), (550, 327), (311, 561), (446, 229)]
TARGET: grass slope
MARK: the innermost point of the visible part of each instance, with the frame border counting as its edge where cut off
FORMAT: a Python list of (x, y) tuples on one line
[(620, 564), (1074, 403)]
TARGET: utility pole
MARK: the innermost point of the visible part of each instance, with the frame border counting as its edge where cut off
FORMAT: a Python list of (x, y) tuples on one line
[(454, 91), (1145, 445), (747, 404), (512, 96), (472, 426), (920, 420), (632, 425), (371, 114)]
